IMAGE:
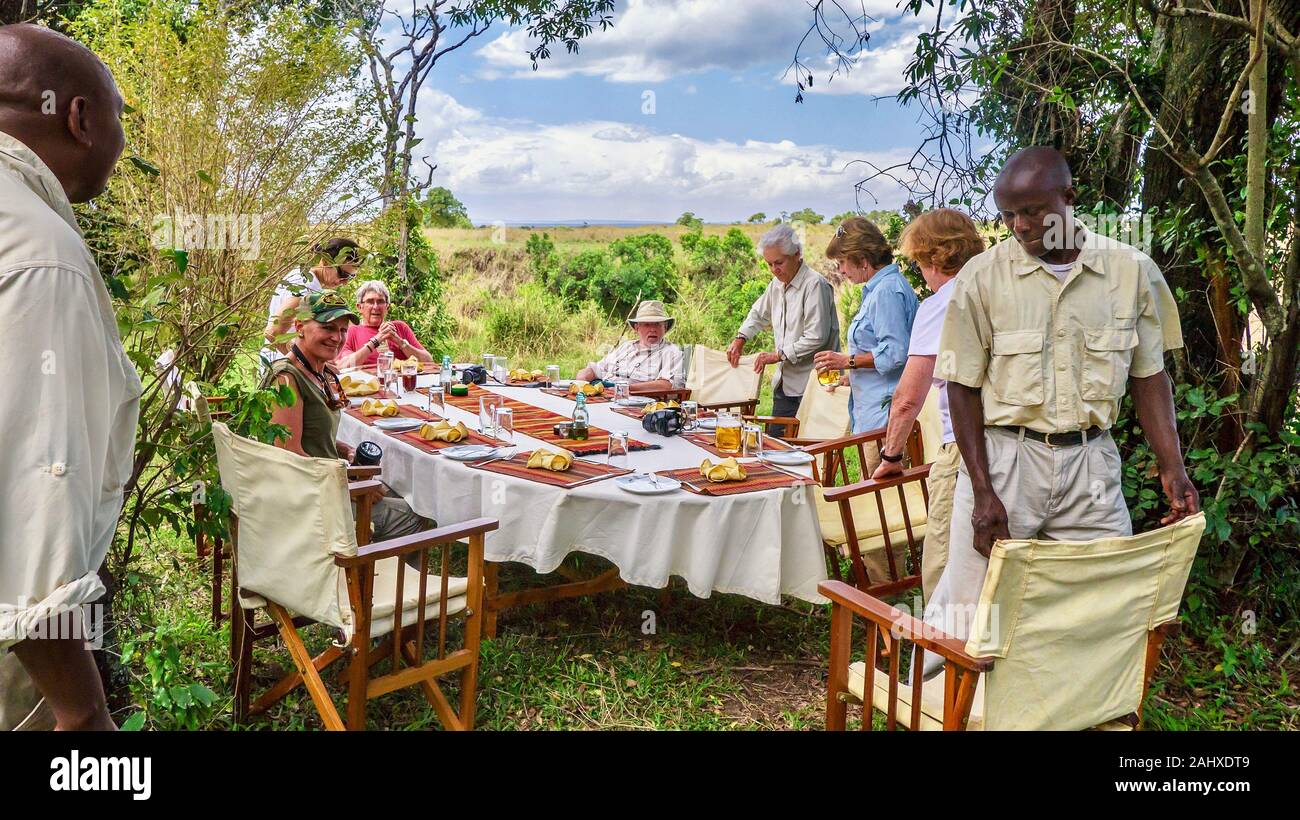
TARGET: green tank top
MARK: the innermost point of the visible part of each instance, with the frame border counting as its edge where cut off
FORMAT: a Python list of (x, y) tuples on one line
[(320, 424)]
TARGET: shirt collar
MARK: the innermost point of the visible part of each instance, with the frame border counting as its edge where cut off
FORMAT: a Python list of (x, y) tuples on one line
[(23, 163), (1090, 254), (880, 276), (800, 278)]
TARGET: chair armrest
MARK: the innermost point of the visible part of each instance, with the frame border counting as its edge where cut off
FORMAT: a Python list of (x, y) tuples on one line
[(803, 442), (847, 441), (786, 420), (370, 471), (871, 485), (903, 625), (671, 393), (356, 489), (380, 550)]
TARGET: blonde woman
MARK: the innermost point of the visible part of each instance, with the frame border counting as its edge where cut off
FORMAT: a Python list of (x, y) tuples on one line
[(940, 242)]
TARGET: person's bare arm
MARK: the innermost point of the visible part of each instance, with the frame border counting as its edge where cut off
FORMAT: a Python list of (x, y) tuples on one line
[(1153, 399), (279, 325), (909, 398), (291, 418), (989, 517), (64, 671), (650, 386)]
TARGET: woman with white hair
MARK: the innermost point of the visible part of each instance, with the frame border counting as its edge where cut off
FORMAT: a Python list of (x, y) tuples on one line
[(364, 340), (798, 306)]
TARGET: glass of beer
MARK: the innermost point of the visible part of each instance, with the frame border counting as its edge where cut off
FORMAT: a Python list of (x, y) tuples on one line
[(410, 371), (727, 436), (828, 377)]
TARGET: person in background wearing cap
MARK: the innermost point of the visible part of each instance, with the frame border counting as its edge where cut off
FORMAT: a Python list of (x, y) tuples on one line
[(337, 260), (647, 362), (71, 406), (312, 418)]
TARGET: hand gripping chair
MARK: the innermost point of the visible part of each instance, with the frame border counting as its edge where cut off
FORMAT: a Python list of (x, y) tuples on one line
[(1066, 636), (302, 556), (716, 385), (878, 526)]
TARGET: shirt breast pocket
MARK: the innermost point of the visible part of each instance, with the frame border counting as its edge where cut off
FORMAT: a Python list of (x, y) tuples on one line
[(1016, 367), (1107, 355)]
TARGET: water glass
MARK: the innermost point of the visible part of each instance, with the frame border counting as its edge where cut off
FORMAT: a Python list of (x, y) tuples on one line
[(436, 400), (690, 415), (752, 441), (487, 413), (552, 374), (616, 453), (501, 369), (488, 359), (505, 425), (385, 363), (622, 391)]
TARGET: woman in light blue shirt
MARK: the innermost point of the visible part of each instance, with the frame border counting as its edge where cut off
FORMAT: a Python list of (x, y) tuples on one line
[(881, 331)]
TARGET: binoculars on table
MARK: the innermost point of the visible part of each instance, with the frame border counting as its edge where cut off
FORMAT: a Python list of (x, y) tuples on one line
[(667, 422)]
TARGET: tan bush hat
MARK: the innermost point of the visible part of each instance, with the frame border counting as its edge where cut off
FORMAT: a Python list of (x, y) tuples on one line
[(652, 310)]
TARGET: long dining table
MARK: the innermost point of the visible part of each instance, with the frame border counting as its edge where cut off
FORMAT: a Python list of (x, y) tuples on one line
[(761, 544)]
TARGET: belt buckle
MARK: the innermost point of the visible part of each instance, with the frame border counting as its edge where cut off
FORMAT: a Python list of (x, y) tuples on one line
[(1068, 442)]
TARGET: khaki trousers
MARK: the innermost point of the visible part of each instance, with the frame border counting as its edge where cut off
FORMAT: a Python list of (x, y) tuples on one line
[(1058, 493), (940, 487)]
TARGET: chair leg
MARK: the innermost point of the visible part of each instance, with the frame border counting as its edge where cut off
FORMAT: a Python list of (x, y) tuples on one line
[(216, 582), (358, 677), (241, 659), (837, 682), (434, 694), (315, 686), (293, 680), (490, 615)]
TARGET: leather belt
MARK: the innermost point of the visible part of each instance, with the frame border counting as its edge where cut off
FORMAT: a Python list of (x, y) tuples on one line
[(1073, 438)]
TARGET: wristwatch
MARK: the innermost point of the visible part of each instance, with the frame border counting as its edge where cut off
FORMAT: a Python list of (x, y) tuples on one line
[(891, 459)]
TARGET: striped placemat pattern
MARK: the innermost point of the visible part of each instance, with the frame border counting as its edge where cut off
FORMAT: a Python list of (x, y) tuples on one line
[(412, 437), (705, 441), (539, 422), (581, 472), (758, 477), (564, 394)]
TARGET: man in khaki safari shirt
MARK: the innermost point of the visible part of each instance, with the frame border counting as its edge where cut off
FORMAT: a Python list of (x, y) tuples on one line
[(1043, 333)]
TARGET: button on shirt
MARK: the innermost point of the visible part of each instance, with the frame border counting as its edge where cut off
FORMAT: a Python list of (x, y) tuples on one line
[(803, 321), (636, 363), (883, 328), (70, 430), (1056, 356)]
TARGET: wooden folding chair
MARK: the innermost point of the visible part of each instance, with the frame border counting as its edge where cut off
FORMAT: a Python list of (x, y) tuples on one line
[(879, 526), (716, 385), (677, 394), (1066, 636), (822, 416), (302, 556)]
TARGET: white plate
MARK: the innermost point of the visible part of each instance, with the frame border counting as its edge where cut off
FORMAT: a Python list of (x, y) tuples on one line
[(398, 425), (635, 401), (643, 485), (469, 452), (787, 458)]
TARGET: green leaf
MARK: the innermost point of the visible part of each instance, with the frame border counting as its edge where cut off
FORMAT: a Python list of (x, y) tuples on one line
[(203, 175), (181, 696), (144, 165), (134, 723), (202, 694), (182, 259)]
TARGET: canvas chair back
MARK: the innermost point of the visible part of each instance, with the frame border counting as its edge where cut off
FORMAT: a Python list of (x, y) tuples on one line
[(823, 415), (931, 424), (295, 515), (1068, 622), (712, 379)]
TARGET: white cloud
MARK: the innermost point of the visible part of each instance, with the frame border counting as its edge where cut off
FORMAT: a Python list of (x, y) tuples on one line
[(517, 171), (654, 40)]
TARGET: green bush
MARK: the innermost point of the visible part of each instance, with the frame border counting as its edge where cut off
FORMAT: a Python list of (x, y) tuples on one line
[(634, 268), (543, 261), (533, 324), (714, 257)]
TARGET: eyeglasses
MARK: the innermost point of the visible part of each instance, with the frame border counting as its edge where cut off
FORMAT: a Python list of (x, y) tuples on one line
[(374, 302)]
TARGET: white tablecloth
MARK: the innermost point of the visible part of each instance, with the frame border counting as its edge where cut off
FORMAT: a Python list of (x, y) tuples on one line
[(761, 544)]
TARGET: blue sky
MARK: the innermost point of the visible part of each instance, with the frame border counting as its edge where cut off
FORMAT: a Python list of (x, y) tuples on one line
[(681, 106)]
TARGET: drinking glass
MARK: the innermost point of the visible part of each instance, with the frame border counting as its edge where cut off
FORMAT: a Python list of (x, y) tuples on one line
[(410, 372), (616, 453), (690, 415), (752, 441), (501, 369), (505, 425), (385, 363), (727, 437), (488, 358), (552, 374), (436, 400), (828, 377), (487, 413), (622, 391)]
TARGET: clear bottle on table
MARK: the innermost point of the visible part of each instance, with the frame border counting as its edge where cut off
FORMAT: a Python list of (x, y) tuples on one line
[(446, 376), (579, 430)]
